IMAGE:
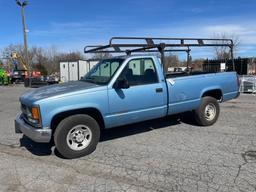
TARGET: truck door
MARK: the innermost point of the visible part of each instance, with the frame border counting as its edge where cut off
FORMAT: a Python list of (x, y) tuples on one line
[(144, 99)]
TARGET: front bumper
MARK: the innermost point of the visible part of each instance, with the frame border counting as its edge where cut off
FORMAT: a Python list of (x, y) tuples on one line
[(38, 135)]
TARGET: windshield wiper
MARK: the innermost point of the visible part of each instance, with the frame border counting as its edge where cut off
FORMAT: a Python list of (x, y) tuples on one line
[(88, 79)]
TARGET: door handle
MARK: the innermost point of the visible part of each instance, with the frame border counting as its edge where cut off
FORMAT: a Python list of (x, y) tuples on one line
[(159, 90)]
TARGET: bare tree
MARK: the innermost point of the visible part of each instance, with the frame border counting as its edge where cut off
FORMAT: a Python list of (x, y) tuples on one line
[(19, 49), (71, 56), (54, 59), (223, 52), (46, 61), (99, 56), (198, 64), (39, 60), (172, 60)]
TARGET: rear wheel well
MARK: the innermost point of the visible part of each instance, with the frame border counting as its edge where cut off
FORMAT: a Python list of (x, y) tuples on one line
[(94, 113), (216, 93)]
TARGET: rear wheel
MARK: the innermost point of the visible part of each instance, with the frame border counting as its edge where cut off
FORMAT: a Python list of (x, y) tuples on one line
[(77, 136), (208, 111)]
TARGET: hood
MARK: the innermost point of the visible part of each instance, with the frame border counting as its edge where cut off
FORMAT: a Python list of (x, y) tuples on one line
[(55, 90)]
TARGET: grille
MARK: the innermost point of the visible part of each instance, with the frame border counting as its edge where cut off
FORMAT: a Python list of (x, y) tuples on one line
[(23, 108)]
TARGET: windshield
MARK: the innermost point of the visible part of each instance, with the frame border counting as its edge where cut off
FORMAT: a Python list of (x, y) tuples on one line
[(103, 71)]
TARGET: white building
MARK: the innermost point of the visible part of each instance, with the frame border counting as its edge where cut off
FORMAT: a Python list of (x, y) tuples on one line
[(73, 71)]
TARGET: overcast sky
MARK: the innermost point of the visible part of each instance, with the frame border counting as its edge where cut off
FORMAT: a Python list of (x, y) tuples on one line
[(70, 25)]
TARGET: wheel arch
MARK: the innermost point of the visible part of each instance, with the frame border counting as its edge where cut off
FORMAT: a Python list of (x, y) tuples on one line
[(215, 93), (93, 112)]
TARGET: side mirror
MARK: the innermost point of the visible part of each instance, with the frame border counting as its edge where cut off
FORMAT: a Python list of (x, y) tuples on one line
[(82, 78), (121, 84)]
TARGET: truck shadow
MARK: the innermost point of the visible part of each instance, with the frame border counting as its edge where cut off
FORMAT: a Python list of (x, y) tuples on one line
[(39, 149), (138, 128), (44, 149)]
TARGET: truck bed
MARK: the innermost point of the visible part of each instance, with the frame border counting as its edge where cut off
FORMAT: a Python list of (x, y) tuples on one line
[(186, 90)]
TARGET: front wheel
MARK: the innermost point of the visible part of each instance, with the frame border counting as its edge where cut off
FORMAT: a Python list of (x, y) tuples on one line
[(77, 136), (208, 111)]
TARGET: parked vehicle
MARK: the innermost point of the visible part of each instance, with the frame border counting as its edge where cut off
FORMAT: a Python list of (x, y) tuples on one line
[(4, 79), (248, 84), (119, 91), (40, 81), (18, 76)]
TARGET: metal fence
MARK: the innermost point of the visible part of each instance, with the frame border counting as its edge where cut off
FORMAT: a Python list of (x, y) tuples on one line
[(248, 84), (243, 66)]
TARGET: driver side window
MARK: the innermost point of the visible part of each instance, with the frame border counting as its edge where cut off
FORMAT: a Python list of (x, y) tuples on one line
[(140, 72)]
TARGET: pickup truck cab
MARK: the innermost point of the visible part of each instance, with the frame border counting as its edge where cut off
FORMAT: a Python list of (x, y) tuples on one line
[(118, 91)]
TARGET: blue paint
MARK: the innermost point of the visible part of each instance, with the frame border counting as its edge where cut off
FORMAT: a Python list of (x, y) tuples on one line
[(135, 104)]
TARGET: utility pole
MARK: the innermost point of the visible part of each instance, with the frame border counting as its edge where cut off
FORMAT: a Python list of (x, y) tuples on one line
[(22, 6)]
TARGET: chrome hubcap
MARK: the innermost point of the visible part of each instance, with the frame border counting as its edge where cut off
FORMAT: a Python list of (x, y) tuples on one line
[(210, 112), (79, 137)]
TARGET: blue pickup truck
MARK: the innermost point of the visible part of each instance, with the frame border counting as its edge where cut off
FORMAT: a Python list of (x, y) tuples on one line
[(119, 91)]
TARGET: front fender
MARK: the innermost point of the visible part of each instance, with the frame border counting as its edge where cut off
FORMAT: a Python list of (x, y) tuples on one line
[(97, 100)]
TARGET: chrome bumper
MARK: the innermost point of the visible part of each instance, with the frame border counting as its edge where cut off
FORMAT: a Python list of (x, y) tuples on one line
[(35, 134)]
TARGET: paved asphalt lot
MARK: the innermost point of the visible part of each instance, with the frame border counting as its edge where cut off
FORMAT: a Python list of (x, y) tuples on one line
[(169, 154)]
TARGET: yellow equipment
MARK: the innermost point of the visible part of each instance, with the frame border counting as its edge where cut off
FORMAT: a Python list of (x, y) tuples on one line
[(16, 56)]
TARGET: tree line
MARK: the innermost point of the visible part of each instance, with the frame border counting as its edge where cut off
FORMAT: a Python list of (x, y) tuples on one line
[(40, 59), (45, 60)]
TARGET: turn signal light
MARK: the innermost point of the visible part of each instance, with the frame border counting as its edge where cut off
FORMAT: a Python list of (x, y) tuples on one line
[(35, 113)]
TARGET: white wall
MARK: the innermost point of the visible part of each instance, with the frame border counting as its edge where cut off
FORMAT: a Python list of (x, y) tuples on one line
[(73, 71), (83, 68), (64, 71)]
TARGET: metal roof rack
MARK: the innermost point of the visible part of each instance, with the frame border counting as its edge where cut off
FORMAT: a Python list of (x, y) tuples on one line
[(130, 45)]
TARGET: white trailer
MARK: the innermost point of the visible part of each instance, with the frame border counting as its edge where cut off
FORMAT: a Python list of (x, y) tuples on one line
[(73, 71)]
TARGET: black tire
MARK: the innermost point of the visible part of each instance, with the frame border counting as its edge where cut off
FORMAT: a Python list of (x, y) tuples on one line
[(63, 130), (202, 116)]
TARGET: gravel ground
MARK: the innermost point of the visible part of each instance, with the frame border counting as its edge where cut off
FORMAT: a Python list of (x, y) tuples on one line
[(170, 154)]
